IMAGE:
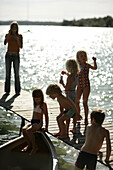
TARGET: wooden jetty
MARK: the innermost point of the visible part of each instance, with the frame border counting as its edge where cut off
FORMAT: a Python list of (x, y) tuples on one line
[(22, 105)]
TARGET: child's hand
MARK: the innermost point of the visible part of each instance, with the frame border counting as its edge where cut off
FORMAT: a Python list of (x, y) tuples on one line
[(94, 58)]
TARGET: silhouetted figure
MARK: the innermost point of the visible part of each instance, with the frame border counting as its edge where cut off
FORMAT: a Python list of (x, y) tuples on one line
[(15, 42)]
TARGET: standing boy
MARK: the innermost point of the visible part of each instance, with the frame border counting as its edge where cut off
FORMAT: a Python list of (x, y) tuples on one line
[(67, 109), (95, 135)]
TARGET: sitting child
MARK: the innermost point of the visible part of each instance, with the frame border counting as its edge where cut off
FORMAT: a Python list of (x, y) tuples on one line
[(40, 108), (67, 109), (95, 135)]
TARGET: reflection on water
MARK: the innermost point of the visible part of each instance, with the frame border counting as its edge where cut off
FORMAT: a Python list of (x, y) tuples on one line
[(46, 49), (9, 126)]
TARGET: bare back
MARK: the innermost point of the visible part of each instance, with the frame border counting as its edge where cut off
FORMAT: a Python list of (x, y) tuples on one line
[(95, 135)]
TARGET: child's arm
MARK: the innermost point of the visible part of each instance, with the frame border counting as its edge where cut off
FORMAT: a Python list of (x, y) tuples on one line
[(61, 80), (46, 117), (61, 108), (95, 64), (67, 83), (20, 41), (108, 149), (6, 39), (41, 120)]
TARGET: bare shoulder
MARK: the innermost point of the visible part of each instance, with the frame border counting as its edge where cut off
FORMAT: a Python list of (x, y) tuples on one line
[(44, 105), (64, 100), (88, 128), (89, 65), (104, 131)]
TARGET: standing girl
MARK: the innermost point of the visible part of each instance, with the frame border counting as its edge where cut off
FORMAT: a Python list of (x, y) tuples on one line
[(70, 87), (40, 108), (15, 42), (84, 84)]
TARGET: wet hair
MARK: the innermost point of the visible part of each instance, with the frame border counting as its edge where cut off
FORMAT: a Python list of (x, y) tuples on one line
[(72, 66), (37, 93), (98, 116), (53, 89), (12, 25), (79, 53)]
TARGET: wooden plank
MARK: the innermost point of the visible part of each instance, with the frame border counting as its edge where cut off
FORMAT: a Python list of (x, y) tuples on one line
[(23, 106)]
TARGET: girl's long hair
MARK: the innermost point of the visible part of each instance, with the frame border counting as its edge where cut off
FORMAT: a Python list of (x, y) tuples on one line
[(12, 24), (36, 94)]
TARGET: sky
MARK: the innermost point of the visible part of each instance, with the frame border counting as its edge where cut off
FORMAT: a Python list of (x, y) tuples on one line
[(54, 10)]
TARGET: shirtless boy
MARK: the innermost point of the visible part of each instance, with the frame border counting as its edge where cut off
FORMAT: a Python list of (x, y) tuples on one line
[(67, 109), (95, 135)]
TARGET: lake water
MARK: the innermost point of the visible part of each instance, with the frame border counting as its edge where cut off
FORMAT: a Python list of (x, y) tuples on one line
[(45, 51)]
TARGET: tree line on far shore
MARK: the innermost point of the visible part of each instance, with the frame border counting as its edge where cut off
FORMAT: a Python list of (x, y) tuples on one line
[(89, 22)]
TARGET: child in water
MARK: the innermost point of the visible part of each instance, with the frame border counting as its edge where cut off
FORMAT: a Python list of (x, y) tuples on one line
[(67, 109), (71, 84), (95, 135), (84, 83), (40, 108)]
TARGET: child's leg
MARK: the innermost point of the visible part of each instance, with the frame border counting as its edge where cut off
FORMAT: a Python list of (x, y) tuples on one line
[(62, 125), (25, 134), (86, 93), (74, 125), (79, 94), (67, 125), (57, 118), (74, 121), (33, 128)]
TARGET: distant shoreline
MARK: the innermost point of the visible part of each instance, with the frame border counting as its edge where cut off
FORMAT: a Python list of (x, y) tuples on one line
[(89, 22)]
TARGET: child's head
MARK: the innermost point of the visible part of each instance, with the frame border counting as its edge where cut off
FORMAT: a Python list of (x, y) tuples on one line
[(37, 95), (14, 26), (98, 116), (81, 54), (72, 66), (53, 89)]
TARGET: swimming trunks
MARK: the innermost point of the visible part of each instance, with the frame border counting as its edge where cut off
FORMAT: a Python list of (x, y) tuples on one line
[(35, 121), (70, 113), (83, 77), (87, 159)]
